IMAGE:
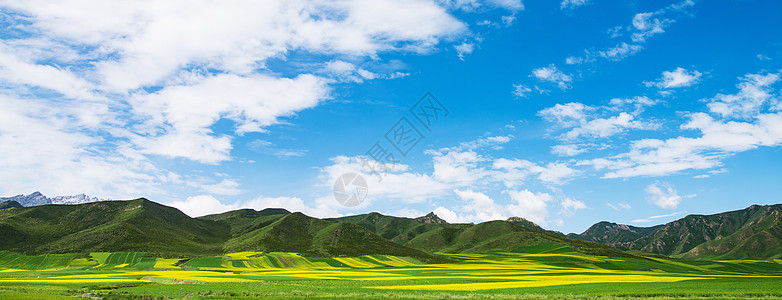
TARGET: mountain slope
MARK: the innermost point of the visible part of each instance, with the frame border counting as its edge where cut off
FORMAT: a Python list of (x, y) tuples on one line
[(10, 204), (243, 221), (37, 198), (309, 236), (500, 236), (761, 237), (135, 225), (612, 233), (748, 233), (397, 229)]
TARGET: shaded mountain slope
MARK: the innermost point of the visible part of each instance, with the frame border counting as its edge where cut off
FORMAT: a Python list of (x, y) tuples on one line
[(500, 236), (309, 236), (10, 204), (759, 238), (135, 225), (612, 234), (680, 236), (397, 229)]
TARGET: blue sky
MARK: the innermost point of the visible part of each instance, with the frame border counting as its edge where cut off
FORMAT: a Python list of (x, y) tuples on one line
[(565, 113)]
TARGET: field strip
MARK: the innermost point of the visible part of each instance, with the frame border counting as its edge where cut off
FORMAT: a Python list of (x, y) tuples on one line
[(539, 281)]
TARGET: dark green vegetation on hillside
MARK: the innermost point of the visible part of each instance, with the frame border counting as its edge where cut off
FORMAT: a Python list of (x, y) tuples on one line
[(612, 233), (143, 225), (135, 225), (751, 233), (9, 204)]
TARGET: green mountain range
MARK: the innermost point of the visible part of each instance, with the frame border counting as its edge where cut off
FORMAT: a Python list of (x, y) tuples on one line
[(751, 233), (143, 225)]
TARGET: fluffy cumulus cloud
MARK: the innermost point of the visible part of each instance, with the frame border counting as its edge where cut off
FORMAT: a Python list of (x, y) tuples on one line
[(457, 167), (664, 195), (456, 171), (677, 78), (529, 205), (95, 94), (479, 207), (717, 135)]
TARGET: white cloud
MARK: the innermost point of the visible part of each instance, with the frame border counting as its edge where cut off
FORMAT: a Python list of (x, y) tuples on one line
[(716, 139), (347, 72), (570, 206), (142, 79), (568, 150), (554, 75), (642, 26), (478, 207), (664, 195), (652, 218), (531, 206), (647, 25), (464, 49), (508, 20), (620, 51), (572, 4), (493, 142), (582, 120), (202, 205), (520, 90), (267, 147), (515, 170), (619, 206), (755, 91), (17, 70), (607, 127), (224, 187), (481, 206), (676, 78), (569, 114), (473, 5), (181, 115), (292, 204), (41, 152)]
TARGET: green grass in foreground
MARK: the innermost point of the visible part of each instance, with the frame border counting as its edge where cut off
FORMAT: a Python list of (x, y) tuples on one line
[(545, 273)]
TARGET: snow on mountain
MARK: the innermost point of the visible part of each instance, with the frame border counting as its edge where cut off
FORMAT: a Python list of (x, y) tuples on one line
[(37, 198)]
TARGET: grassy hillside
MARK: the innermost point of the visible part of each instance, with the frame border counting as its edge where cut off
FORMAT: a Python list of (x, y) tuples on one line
[(309, 236), (243, 221), (501, 236), (135, 225), (397, 229)]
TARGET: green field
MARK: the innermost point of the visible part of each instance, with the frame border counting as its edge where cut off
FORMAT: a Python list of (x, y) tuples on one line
[(533, 272)]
